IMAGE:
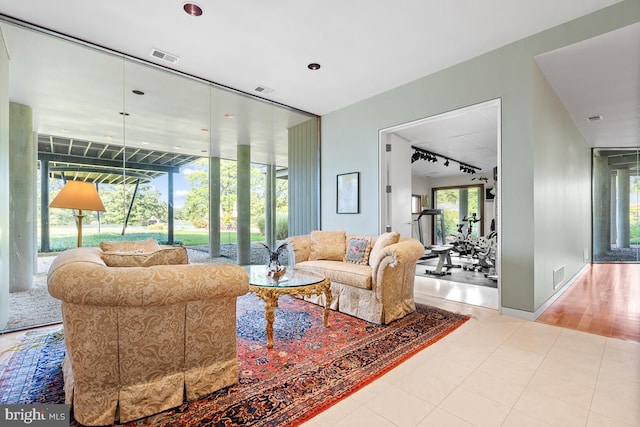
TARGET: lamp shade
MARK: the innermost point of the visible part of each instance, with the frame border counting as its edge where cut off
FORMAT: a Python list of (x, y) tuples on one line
[(78, 195)]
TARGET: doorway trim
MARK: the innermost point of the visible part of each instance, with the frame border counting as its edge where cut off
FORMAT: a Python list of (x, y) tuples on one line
[(385, 175)]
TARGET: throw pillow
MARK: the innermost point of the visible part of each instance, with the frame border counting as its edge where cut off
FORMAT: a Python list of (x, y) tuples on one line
[(328, 245), (358, 251), (148, 245), (163, 256), (384, 240)]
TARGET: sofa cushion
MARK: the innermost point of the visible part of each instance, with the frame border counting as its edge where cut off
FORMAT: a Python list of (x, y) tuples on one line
[(162, 256), (148, 245), (384, 240), (358, 249), (355, 275), (327, 245)]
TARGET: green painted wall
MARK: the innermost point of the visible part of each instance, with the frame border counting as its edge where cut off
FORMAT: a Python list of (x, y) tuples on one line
[(350, 143), (562, 191)]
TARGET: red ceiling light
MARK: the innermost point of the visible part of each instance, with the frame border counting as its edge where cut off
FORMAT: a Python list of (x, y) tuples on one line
[(192, 9)]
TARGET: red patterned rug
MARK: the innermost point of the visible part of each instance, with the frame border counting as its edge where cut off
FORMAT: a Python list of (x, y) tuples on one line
[(309, 369)]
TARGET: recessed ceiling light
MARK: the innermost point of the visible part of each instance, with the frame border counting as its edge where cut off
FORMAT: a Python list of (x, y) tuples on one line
[(108, 137), (65, 130), (144, 142), (313, 66), (595, 118), (203, 151), (138, 92), (176, 147), (204, 130), (229, 116), (192, 9)]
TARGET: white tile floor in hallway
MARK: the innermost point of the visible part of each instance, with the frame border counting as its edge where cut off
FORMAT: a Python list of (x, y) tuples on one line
[(500, 371)]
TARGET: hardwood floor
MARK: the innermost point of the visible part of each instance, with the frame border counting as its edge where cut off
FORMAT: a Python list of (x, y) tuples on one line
[(604, 300)]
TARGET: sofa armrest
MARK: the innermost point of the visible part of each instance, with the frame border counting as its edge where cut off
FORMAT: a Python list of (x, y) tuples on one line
[(405, 252), (91, 284), (299, 248)]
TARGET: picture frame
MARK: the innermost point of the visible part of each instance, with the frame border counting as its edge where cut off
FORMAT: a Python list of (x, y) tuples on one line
[(348, 193)]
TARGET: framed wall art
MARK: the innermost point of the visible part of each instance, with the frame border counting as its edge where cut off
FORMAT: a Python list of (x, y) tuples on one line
[(348, 191)]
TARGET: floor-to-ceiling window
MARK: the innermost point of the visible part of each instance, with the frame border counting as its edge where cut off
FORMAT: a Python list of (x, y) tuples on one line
[(146, 137), (462, 207), (616, 205)]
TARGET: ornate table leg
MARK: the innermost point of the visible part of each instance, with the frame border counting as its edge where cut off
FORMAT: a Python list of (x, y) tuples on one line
[(327, 301), (271, 303), (270, 298)]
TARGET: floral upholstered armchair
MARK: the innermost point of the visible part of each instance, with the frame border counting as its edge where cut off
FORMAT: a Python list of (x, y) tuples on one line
[(142, 339)]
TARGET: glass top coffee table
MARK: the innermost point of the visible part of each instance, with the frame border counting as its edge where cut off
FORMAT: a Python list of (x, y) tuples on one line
[(293, 282)]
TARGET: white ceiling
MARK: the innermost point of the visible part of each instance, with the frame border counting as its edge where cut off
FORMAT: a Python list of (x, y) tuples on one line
[(364, 47), (468, 135)]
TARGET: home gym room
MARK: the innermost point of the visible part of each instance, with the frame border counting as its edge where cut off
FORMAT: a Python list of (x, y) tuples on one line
[(454, 199)]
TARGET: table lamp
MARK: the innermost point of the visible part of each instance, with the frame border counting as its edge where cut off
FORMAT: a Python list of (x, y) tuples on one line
[(78, 195)]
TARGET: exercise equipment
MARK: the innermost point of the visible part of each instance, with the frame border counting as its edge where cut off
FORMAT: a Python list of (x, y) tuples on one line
[(431, 212), (444, 260)]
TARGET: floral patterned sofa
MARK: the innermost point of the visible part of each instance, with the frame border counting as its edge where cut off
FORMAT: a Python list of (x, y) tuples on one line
[(141, 339), (371, 277)]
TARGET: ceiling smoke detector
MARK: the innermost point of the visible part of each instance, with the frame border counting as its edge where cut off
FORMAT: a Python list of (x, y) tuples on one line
[(157, 53), (264, 90)]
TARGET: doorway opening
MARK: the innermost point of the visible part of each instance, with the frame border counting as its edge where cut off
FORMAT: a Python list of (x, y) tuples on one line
[(616, 205), (439, 185)]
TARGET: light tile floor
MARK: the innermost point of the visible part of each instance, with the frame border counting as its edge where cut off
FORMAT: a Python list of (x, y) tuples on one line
[(499, 371), (494, 371)]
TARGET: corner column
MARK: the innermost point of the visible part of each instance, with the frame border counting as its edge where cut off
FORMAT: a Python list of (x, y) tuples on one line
[(244, 204), (622, 209), (601, 206), (270, 207), (214, 207), (22, 163)]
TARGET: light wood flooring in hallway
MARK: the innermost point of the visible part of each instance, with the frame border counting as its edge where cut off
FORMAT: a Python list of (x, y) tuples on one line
[(604, 300)]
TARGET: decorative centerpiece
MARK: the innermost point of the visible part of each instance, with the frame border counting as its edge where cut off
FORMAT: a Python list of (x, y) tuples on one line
[(274, 269)]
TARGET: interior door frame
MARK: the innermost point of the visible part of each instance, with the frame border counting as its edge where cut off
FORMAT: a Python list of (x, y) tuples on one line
[(385, 179)]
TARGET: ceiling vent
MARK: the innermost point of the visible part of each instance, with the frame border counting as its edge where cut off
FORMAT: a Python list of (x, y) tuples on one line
[(157, 53), (264, 90)]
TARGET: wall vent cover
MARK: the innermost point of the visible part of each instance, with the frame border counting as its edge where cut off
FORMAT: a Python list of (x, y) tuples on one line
[(264, 90), (558, 277), (157, 53)]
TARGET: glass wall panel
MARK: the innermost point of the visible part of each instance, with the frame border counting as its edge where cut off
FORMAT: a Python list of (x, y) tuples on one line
[(150, 141), (616, 205), (166, 156), (75, 114)]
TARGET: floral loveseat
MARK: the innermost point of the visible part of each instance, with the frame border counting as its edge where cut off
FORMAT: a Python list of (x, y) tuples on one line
[(371, 276), (144, 338)]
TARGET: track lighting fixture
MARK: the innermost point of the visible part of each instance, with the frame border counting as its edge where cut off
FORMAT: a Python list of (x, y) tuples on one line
[(420, 154)]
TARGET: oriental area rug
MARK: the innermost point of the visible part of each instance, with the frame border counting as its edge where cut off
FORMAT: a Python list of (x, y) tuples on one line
[(309, 369)]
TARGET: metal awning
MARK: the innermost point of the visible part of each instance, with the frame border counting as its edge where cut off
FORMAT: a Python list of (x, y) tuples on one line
[(106, 163)]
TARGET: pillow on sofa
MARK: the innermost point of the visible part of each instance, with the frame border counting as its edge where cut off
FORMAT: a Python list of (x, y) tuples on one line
[(148, 245), (358, 249), (384, 240), (162, 256), (328, 245)]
